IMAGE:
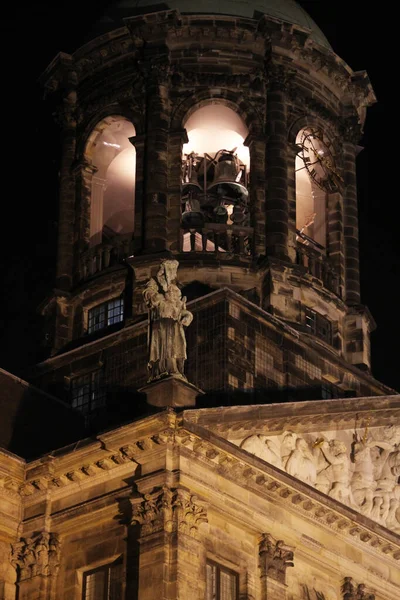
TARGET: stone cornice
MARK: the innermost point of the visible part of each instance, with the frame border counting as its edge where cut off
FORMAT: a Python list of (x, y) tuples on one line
[(302, 417), (281, 488)]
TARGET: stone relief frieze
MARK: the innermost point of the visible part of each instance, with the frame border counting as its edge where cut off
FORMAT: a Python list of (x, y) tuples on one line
[(359, 470)]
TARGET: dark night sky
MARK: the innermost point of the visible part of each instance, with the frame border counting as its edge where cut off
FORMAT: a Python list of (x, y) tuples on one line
[(32, 34)]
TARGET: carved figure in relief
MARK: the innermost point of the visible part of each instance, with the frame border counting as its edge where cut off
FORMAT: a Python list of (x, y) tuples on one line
[(167, 318), (338, 470), (301, 463), (264, 448), (287, 447), (362, 482)]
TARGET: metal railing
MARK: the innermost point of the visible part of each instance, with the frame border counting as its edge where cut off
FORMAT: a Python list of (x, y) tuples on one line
[(219, 238)]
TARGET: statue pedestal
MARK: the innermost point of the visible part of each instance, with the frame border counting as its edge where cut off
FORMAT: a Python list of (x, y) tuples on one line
[(171, 391)]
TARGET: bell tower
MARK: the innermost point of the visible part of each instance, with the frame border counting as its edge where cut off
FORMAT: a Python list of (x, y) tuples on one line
[(226, 141)]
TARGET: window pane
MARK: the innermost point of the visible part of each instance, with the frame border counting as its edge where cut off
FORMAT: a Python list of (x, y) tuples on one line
[(115, 311), (228, 586), (97, 318), (115, 582), (211, 592), (95, 586)]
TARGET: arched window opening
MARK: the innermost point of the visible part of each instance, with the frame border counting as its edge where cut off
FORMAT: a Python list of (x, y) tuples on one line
[(316, 177), (113, 184), (215, 179)]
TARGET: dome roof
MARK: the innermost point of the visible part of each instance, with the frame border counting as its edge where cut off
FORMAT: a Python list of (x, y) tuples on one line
[(285, 10)]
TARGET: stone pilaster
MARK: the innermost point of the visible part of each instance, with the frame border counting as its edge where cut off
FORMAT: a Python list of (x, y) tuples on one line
[(176, 140), (350, 219), (277, 206), (36, 560), (156, 159), (67, 118), (256, 145), (139, 144), (171, 556), (274, 558)]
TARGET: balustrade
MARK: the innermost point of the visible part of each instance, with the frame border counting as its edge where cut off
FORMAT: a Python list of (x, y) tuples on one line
[(103, 256), (219, 238)]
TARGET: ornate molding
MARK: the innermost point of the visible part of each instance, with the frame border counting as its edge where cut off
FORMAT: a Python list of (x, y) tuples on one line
[(354, 591), (168, 509), (260, 480), (50, 481), (275, 558), (36, 555)]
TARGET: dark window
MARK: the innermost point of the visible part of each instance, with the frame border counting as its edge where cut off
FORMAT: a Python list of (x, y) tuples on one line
[(221, 583), (106, 314), (88, 393), (319, 325), (104, 583)]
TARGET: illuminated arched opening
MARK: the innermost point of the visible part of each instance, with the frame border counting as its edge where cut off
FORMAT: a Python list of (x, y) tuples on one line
[(113, 184), (312, 187), (216, 166)]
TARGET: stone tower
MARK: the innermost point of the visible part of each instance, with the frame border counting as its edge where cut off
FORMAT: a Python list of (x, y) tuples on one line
[(220, 136), (225, 140)]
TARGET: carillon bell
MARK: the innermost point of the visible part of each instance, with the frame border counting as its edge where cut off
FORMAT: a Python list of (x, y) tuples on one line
[(226, 174), (190, 174), (192, 217)]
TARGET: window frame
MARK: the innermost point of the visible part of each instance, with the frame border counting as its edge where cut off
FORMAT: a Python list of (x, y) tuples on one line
[(108, 309), (220, 567), (105, 568), (317, 322), (93, 386)]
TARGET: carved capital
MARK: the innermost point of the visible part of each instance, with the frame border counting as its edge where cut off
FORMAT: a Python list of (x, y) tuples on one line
[(36, 555), (168, 509), (354, 591), (275, 558)]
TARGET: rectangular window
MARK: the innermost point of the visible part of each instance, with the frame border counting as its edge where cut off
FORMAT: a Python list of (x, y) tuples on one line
[(106, 314), (221, 583), (319, 325), (104, 583), (88, 393)]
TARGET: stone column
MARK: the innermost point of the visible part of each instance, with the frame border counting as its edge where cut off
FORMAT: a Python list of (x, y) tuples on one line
[(256, 145), (96, 210), (138, 142), (275, 556), (36, 560), (350, 217), (66, 116), (171, 556), (175, 143), (156, 158), (277, 206)]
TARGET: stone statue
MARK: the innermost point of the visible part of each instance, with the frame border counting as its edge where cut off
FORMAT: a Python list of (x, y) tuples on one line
[(167, 318)]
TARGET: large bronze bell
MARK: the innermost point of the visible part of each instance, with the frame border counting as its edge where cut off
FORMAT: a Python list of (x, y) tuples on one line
[(226, 174), (192, 217)]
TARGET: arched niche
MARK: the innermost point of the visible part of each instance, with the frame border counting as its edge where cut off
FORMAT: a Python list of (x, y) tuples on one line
[(216, 167), (113, 159)]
